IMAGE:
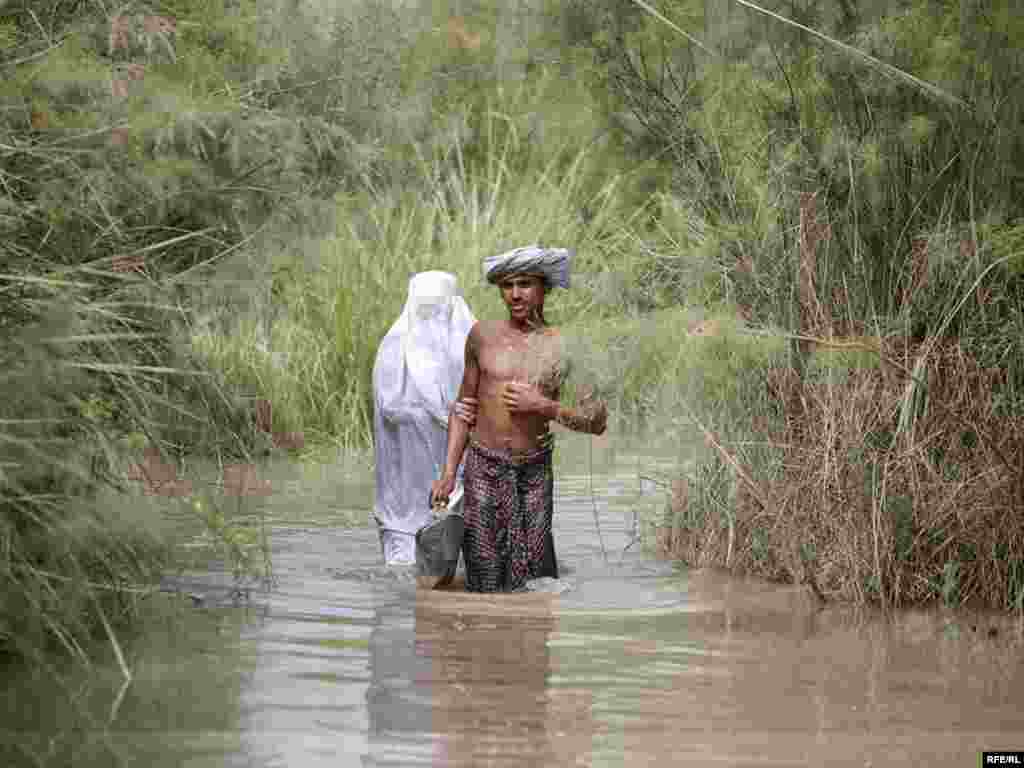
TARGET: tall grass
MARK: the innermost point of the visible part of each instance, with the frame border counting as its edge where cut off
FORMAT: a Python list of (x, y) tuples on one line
[(480, 188)]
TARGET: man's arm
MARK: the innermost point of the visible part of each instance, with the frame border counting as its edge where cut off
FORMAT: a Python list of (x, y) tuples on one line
[(458, 429), (590, 416), (591, 413)]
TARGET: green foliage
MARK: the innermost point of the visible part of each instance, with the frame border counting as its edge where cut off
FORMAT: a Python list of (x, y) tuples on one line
[(901, 509), (950, 587), (8, 35), (759, 545), (772, 115), (1007, 242), (110, 197), (487, 190), (839, 362), (1015, 589), (901, 120), (240, 542)]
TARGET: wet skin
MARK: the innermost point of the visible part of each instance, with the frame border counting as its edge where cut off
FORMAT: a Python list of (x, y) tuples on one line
[(512, 369)]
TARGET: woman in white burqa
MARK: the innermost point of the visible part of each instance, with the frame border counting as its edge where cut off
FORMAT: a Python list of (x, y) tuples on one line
[(416, 380)]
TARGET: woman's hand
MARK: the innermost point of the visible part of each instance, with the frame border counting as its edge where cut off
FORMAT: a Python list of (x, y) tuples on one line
[(524, 398), (465, 409), (441, 490)]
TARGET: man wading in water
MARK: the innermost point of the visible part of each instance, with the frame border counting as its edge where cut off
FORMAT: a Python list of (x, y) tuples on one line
[(515, 369)]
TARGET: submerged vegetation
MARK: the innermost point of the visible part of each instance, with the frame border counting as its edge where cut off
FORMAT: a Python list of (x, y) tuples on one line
[(799, 239)]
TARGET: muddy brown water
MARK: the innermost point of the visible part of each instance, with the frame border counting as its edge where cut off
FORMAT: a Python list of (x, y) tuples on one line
[(630, 661)]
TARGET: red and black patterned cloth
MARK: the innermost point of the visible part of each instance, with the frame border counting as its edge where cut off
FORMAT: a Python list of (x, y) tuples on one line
[(508, 504)]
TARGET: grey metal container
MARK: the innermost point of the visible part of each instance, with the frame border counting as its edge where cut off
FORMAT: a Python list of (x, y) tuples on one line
[(437, 551), (439, 543)]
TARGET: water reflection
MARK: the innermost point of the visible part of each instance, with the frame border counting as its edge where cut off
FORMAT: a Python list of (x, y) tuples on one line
[(346, 663), (463, 680), (398, 695), (180, 707), (488, 672), (754, 675)]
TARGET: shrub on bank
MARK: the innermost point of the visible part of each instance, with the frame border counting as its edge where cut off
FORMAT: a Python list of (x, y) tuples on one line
[(128, 169), (896, 484), (853, 177)]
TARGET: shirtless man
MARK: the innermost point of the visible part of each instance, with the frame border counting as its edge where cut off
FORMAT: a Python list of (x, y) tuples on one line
[(514, 368)]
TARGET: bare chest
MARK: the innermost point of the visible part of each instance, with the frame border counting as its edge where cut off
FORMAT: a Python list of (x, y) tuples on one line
[(533, 359)]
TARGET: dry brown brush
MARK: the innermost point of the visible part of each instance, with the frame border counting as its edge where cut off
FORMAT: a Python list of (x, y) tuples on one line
[(901, 483)]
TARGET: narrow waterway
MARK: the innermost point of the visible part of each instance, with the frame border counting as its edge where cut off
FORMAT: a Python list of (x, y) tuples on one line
[(627, 661)]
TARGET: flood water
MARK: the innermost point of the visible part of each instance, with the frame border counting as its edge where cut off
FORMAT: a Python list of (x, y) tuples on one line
[(629, 662)]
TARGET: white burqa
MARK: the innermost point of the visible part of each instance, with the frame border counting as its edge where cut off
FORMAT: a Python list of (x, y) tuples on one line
[(416, 380)]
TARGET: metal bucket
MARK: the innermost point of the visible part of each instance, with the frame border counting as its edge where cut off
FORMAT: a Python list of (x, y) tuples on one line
[(439, 543)]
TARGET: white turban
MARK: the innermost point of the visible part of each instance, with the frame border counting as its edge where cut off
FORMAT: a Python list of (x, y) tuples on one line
[(550, 263)]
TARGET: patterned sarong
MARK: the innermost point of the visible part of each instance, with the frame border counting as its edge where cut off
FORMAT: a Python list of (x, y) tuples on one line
[(508, 505)]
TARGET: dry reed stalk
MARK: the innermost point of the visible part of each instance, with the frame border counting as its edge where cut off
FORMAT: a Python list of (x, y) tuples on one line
[(663, 541), (459, 37), (669, 537), (39, 120), (918, 269), (128, 263), (729, 459), (295, 441), (812, 318), (158, 477), (119, 36), (120, 83), (813, 232), (831, 428), (876, 532), (948, 514), (264, 412), (242, 480)]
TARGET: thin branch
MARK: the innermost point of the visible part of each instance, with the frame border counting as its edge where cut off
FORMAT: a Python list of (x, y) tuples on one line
[(890, 70), (656, 14), (36, 55)]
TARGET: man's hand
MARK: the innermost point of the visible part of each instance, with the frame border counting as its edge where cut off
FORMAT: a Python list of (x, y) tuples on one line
[(465, 410), (441, 491), (524, 398)]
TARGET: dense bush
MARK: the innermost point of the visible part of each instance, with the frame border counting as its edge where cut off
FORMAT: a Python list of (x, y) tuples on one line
[(129, 170), (847, 171)]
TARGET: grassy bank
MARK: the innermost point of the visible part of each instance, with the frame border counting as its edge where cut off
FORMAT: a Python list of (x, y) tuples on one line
[(852, 172)]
